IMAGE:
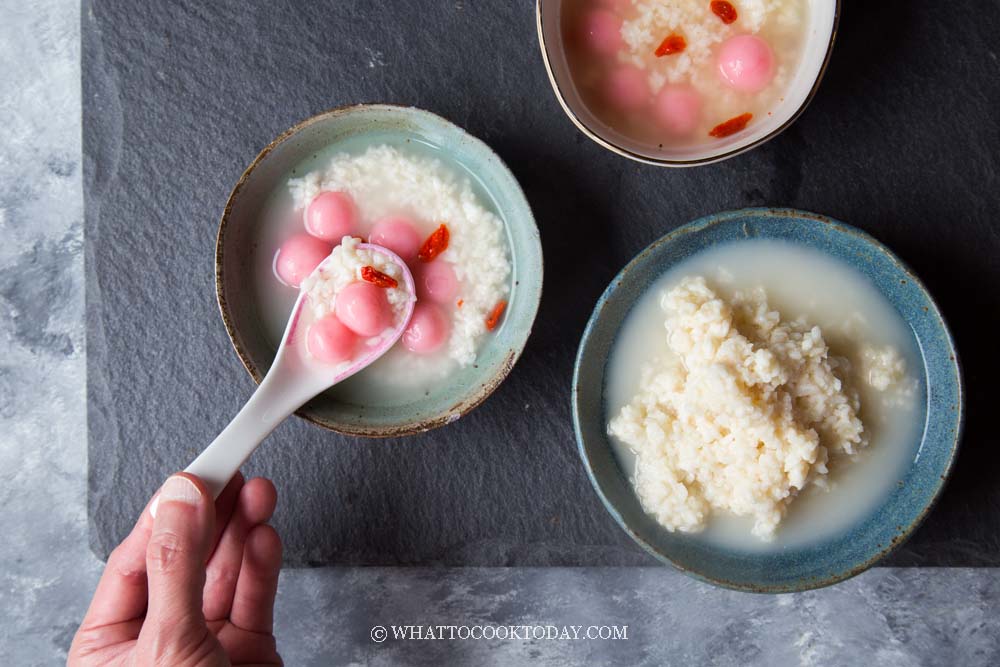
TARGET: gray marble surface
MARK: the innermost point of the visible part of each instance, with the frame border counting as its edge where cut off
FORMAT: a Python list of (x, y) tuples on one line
[(884, 617)]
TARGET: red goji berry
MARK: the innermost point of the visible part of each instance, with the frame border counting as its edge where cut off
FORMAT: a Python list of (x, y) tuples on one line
[(435, 244), (375, 277), (671, 45), (724, 10), (494, 318), (731, 126)]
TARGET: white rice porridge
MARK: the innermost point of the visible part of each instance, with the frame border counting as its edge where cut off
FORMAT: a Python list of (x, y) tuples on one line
[(737, 412), (385, 181), (645, 25), (403, 180)]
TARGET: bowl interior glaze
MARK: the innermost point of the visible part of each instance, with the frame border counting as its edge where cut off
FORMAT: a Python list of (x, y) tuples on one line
[(376, 124), (815, 564)]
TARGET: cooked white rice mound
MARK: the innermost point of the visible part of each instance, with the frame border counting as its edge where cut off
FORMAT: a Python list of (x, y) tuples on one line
[(749, 413)]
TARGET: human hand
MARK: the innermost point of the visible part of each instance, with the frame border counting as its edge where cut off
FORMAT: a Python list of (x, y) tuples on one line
[(193, 586)]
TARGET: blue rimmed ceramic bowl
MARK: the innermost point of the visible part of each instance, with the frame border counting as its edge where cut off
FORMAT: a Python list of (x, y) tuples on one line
[(355, 128), (793, 568)]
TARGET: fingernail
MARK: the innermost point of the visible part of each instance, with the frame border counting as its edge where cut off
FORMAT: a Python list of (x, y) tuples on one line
[(176, 489)]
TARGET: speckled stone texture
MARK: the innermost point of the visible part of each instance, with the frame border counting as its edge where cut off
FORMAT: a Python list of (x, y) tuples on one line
[(886, 617), (180, 97)]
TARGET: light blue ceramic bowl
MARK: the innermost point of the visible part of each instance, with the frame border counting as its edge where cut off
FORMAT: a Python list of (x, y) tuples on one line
[(793, 568), (355, 128)]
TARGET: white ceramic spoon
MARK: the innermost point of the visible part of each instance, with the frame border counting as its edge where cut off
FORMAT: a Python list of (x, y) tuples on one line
[(294, 378)]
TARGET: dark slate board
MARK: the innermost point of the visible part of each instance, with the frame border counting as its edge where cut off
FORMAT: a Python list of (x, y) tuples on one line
[(178, 97)]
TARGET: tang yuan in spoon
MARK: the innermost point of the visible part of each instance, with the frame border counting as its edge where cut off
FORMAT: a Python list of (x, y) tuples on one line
[(351, 309)]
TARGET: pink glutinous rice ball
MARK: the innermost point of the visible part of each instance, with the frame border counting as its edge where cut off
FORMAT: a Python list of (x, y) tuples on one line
[(436, 282), (677, 109), (298, 257), (428, 329), (363, 308), (330, 341), (617, 6), (746, 63), (331, 216), (600, 31), (398, 234), (627, 88)]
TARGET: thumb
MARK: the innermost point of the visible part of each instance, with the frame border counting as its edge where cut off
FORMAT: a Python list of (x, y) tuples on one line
[(183, 526)]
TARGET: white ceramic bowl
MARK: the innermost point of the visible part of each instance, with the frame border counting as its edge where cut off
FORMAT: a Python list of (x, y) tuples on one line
[(823, 18)]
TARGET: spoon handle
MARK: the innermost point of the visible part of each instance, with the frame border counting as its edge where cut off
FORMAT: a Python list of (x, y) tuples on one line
[(279, 395)]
